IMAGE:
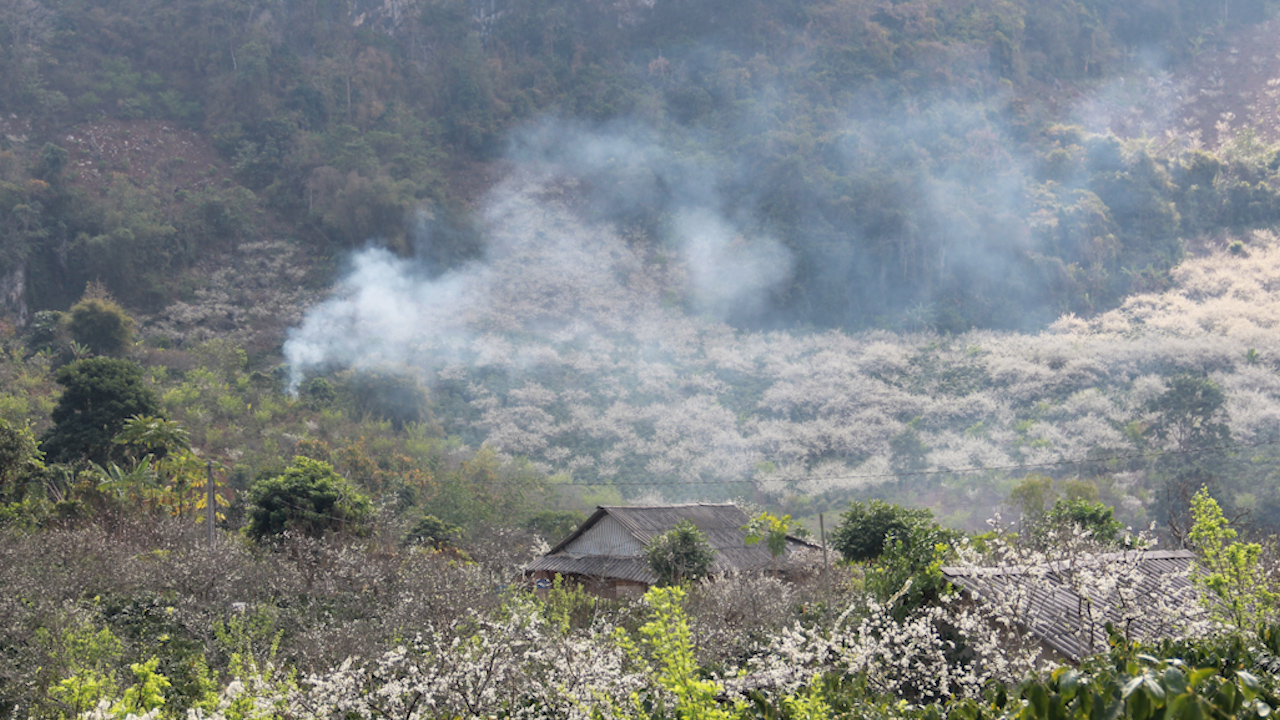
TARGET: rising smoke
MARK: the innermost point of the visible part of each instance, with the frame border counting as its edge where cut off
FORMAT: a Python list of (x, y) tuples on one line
[(546, 269), (656, 310)]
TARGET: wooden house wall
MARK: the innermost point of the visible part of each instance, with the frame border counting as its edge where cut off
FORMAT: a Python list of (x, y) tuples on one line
[(607, 588)]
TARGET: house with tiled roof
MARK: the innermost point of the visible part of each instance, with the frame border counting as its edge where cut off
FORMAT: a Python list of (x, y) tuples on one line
[(606, 554)]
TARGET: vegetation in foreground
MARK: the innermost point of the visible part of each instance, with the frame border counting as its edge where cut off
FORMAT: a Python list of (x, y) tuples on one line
[(134, 615)]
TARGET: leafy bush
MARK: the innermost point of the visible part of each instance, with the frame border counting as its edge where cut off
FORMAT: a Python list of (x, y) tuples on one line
[(1129, 685), (310, 499), (102, 325), (866, 529), (555, 525), (45, 332), (396, 397), (680, 554), (20, 455), (431, 530), (1095, 518)]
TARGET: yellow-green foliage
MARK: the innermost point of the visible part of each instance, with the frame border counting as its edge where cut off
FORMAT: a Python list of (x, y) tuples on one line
[(89, 657), (1239, 593), (666, 649), (146, 694), (809, 703)]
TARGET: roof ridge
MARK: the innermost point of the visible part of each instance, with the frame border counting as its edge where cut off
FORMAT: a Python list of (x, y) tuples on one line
[(666, 506)]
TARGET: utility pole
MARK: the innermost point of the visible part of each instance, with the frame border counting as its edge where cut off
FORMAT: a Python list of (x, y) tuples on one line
[(210, 504)]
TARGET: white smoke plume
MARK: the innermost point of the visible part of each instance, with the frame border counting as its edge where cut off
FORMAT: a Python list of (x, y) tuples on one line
[(546, 270), (597, 346)]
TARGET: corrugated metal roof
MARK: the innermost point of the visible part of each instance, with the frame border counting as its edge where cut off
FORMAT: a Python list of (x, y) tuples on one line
[(606, 536), (599, 549), (620, 568), (1056, 613)]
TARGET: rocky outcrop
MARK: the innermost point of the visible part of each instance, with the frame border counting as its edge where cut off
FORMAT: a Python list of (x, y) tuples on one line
[(13, 293)]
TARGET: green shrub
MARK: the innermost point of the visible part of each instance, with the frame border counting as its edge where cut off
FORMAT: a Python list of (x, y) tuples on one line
[(554, 525), (102, 325), (865, 528), (431, 530), (395, 397), (308, 498), (680, 554)]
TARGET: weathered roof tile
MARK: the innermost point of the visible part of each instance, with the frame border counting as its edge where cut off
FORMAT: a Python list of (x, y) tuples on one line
[(1071, 623), (720, 522)]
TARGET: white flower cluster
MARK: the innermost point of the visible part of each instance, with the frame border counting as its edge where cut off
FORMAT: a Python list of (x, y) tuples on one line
[(512, 663), (949, 649), (637, 391)]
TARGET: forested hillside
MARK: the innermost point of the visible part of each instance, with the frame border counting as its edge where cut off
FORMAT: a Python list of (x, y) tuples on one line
[(776, 250), (394, 291), (902, 154)]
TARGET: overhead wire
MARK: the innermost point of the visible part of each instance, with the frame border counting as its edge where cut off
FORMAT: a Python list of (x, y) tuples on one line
[(535, 485), (1212, 450)]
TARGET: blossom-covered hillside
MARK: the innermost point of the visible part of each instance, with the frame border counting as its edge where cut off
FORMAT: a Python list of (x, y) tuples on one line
[(593, 356)]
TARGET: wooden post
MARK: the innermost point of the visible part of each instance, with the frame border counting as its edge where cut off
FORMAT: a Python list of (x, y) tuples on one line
[(210, 501), (826, 583)]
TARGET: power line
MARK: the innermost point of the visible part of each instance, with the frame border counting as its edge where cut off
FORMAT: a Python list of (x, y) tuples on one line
[(533, 485), (1213, 450)]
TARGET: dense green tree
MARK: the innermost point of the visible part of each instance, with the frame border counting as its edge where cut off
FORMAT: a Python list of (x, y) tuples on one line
[(910, 453), (46, 332), (908, 573), (865, 529), (99, 396), (680, 554), (431, 530), (396, 397), (100, 324), (1033, 496), (309, 498), (1045, 515), (51, 163), (1189, 421), (1067, 515), (903, 549), (555, 525)]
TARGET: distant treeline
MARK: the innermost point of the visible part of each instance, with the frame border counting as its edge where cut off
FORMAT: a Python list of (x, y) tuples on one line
[(900, 150)]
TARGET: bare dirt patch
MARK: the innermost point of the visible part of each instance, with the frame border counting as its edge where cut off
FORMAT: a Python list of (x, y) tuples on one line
[(154, 153), (1233, 85), (471, 180)]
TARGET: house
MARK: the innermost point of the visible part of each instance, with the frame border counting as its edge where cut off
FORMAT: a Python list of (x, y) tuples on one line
[(1066, 605), (606, 554)]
